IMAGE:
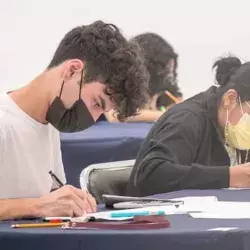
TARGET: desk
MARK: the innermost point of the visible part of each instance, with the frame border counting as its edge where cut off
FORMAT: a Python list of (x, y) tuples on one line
[(186, 233), (103, 142)]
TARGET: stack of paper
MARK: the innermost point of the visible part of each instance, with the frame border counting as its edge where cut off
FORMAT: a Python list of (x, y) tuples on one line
[(191, 204), (197, 207)]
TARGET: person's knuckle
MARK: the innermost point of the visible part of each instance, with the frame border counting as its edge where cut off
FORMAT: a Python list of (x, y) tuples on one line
[(70, 212), (93, 201), (69, 187), (71, 203), (69, 193)]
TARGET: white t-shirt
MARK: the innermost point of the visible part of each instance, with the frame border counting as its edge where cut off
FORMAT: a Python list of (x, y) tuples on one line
[(28, 151)]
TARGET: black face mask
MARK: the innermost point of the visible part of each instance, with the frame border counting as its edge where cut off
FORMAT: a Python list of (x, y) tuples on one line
[(74, 119)]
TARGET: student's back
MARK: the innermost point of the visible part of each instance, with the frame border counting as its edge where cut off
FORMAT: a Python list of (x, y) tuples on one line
[(202, 143), (172, 154)]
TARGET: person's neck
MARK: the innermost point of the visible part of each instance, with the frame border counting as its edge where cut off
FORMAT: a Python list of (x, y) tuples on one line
[(33, 98)]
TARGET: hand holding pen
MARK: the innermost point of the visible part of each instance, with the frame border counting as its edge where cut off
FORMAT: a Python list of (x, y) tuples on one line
[(65, 201)]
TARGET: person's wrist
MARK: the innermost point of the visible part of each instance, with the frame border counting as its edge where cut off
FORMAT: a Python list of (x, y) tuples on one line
[(236, 176), (34, 206)]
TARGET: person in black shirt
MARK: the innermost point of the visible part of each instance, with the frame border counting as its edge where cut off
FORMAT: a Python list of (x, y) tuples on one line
[(201, 143)]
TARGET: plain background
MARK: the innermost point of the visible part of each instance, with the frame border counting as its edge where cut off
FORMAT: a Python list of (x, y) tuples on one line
[(200, 31)]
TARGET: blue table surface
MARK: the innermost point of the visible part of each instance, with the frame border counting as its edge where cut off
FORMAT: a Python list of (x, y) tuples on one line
[(109, 131), (184, 233)]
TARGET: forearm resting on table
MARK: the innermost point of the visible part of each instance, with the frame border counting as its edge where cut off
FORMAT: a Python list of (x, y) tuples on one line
[(161, 177), (18, 208), (144, 115)]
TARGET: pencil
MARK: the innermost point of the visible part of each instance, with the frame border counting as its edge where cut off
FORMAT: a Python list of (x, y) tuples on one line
[(37, 225), (171, 96)]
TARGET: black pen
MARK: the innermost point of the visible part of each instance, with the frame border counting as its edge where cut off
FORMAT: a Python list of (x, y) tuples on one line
[(54, 177)]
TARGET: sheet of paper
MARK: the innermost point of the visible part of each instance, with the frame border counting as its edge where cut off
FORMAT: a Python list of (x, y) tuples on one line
[(100, 215), (197, 199), (196, 203), (191, 204), (225, 210), (207, 215), (222, 229), (107, 214)]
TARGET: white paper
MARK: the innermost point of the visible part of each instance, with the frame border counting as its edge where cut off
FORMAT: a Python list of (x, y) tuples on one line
[(191, 204), (207, 215), (225, 210), (196, 204), (197, 199), (222, 229), (100, 215)]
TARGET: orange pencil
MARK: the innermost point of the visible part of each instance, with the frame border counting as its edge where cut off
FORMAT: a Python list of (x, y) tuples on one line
[(37, 225), (171, 96)]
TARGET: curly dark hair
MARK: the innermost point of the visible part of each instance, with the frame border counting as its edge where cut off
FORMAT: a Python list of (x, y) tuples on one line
[(157, 53), (110, 59)]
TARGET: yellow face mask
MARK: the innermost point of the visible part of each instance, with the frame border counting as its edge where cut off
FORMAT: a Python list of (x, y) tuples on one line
[(238, 136)]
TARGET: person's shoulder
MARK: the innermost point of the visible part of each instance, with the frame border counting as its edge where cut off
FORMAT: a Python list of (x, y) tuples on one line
[(182, 116), (4, 111), (192, 112), (5, 125), (4, 118), (189, 107), (197, 105)]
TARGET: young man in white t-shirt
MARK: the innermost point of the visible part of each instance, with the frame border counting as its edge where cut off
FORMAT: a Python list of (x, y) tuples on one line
[(94, 69)]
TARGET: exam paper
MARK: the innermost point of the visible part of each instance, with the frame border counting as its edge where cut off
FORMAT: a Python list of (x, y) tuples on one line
[(191, 204), (207, 215), (222, 229), (225, 210)]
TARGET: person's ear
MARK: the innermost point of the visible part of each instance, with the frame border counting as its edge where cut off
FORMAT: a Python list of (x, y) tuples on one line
[(229, 99), (72, 67)]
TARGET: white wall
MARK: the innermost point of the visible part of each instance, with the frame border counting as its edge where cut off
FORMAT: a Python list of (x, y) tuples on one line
[(200, 30)]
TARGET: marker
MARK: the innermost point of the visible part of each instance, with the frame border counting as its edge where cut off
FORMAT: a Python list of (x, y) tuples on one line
[(135, 213), (57, 219)]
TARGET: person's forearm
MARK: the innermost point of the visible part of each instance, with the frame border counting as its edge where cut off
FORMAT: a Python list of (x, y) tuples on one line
[(157, 176), (146, 116), (18, 208), (143, 116)]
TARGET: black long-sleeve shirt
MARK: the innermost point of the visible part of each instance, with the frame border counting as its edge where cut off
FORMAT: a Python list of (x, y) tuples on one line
[(183, 150)]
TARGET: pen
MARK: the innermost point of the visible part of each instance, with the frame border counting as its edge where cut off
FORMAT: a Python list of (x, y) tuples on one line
[(135, 213), (38, 225), (54, 177)]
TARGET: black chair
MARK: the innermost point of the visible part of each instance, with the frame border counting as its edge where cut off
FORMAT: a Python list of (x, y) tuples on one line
[(106, 178)]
